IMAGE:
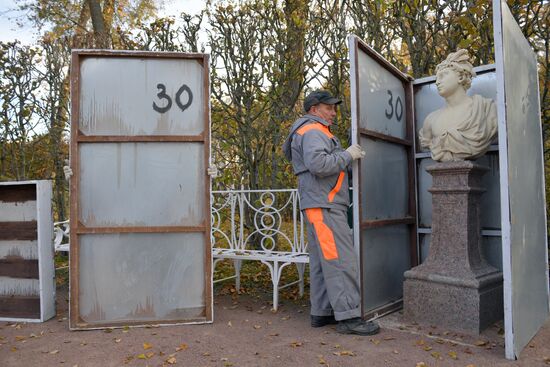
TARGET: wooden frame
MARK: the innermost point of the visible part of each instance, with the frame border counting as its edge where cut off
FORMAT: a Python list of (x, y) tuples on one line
[(355, 44), (77, 137)]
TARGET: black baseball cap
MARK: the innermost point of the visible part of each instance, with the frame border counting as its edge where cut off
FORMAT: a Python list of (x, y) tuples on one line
[(319, 96)]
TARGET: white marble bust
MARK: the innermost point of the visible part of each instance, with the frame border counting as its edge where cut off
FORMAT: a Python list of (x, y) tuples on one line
[(465, 127)]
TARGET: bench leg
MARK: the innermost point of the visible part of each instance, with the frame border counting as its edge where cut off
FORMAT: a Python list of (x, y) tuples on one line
[(237, 265), (301, 269), (275, 269)]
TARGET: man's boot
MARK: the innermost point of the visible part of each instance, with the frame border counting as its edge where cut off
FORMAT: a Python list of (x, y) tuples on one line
[(357, 326), (319, 321)]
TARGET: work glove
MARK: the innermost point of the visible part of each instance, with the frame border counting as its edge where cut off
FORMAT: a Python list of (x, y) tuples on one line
[(212, 171), (67, 170), (355, 151)]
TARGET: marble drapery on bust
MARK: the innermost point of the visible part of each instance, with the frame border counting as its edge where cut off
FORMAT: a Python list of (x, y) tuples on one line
[(465, 127)]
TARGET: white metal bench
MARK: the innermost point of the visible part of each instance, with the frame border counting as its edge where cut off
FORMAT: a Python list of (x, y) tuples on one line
[(61, 236), (274, 234)]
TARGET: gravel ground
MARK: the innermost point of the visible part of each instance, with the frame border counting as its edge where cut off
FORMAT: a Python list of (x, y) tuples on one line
[(246, 333)]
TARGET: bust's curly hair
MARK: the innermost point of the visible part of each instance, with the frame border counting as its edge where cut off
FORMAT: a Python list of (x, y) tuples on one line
[(459, 61)]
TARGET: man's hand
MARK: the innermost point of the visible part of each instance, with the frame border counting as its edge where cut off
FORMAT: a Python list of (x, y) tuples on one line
[(67, 170), (355, 151), (212, 171)]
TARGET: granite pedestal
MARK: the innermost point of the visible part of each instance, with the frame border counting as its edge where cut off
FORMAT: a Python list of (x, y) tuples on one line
[(455, 288)]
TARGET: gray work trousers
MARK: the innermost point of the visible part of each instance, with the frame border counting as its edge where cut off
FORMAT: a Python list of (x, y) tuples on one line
[(334, 280)]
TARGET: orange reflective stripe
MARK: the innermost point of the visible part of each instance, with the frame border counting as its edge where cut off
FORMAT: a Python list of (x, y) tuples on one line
[(317, 126), (336, 188), (324, 233)]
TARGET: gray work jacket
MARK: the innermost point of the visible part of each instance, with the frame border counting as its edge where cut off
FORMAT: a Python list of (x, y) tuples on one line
[(319, 162)]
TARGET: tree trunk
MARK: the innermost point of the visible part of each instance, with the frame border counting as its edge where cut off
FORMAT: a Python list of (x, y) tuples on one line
[(101, 33)]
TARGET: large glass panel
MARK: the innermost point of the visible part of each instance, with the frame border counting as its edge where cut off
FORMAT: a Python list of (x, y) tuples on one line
[(141, 277), (381, 99), (384, 180), (424, 198), (385, 256), (142, 184), (118, 96), (490, 200), (524, 221)]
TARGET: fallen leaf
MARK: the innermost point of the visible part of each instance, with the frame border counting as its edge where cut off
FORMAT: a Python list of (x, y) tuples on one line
[(171, 360), (275, 334), (13, 349), (420, 342), (395, 351), (481, 343), (374, 341), (206, 354), (108, 331), (427, 348), (322, 360), (296, 344), (421, 364), (183, 346), (436, 355), (440, 341), (471, 365), (149, 355), (344, 353), (452, 355), (547, 360), (257, 327), (147, 346), (55, 351), (141, 356), (389, 338), (19, 338), (229, 324), (468, 351), (117, 340)]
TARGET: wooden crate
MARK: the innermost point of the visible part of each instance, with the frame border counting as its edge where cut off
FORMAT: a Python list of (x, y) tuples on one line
[(27, 274)]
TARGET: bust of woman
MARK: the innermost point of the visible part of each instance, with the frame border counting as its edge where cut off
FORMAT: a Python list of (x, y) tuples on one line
[(465, 127)]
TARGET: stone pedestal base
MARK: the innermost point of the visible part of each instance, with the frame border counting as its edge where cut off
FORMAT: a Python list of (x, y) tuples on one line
[(455, 288), (453, 306)]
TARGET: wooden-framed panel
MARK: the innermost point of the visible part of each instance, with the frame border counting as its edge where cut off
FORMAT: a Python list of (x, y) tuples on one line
[(383, 181), (522, 187), (140, 249), (27, 274)]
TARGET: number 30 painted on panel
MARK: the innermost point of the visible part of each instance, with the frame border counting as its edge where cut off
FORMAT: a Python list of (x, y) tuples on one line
[(398, 107), (162, 95)]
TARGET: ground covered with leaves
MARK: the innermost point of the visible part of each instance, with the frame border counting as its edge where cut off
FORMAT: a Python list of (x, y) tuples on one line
[(246, 332)]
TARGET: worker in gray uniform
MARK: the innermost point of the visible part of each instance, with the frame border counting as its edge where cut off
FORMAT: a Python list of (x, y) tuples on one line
[(322, 169)]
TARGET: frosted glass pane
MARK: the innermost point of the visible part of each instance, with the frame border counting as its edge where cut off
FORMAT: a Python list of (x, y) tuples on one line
[(117, 96), (141, 277), (384, 180), (385, 256), (142, 184), (381, 99)]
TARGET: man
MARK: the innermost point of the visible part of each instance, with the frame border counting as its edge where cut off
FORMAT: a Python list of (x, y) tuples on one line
[(322, 169)]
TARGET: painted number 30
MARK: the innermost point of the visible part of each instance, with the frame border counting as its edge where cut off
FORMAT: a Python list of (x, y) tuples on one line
[(398, 109), (168, 104)]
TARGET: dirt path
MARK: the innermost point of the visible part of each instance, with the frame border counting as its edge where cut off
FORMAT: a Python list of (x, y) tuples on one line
[(247, 333)]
